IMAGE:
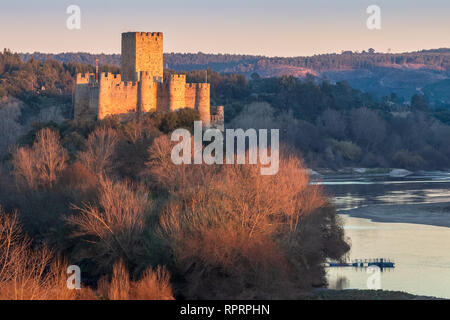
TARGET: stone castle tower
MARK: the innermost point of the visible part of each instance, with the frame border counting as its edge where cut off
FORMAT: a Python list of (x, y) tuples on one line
[(140, 86)]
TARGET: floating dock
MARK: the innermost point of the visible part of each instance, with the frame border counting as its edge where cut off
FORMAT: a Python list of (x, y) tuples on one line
[(365, 263)]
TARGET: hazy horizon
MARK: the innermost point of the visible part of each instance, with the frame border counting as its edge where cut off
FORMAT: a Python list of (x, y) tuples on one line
[(284, 28), (226, 53)]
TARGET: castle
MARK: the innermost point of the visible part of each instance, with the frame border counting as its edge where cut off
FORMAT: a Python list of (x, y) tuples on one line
[(140, 86)]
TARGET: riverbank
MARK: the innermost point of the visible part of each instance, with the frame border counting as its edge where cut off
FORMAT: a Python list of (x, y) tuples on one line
[(405, 219), (318, 173), (355, 294), (435, 214)]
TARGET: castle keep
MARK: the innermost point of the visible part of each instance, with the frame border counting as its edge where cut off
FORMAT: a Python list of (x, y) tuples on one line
[(140, 86)]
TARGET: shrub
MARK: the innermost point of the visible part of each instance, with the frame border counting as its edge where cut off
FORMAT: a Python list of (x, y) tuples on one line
[(169, 121), (346, 149), (119, 288), (153, 285), (406, 159)]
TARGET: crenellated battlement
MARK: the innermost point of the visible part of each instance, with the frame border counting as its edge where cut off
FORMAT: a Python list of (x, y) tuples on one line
[(110, 75), (143, 74), (119, 86), (108, 79), (203, 85), (148, 76), (155, 35), (83, 78), (175, 77), (163, 85), (198, 85), (177, 81), (84, 75)]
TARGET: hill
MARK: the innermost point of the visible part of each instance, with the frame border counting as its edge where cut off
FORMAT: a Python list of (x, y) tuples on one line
[(333, 124), (377, 73)]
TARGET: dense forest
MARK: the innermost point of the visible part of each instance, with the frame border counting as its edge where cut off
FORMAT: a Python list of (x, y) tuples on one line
[(333, 125), (425, 72), (434, 59), (338, 126)]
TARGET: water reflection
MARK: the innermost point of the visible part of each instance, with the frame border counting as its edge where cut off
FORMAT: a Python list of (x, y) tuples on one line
[(340, 283), (421, 252), (352, 191)]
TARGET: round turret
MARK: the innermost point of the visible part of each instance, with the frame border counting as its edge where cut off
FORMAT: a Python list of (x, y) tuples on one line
[(203, 104)]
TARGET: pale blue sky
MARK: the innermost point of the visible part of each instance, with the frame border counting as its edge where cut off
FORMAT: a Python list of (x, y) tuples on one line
[(265, 27)]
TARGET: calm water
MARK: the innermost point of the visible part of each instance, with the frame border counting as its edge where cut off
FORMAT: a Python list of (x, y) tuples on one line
[(421, 252)]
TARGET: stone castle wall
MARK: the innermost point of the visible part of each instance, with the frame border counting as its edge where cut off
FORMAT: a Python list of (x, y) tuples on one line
[(140, 86), (142, 51), (112, 96), (85, 93), (147, 92), (177, 92), (202, 102), (116, 96)]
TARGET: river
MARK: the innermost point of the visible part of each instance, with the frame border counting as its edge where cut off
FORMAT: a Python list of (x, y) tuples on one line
[(404, 219)]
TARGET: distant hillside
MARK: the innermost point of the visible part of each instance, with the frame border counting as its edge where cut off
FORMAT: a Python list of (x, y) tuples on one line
[(437, 59), (376, 73), (77, 57)]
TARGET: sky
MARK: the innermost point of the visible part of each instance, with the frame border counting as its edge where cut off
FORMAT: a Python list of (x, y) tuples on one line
[(259, 27)]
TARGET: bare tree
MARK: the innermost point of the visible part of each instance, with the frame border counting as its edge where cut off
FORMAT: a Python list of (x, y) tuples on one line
[(367, 127), (43, 163), (50, 156), (24, 167), (27, 273), (332, 122), (258, 115), (114, 227), (99, 150)]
